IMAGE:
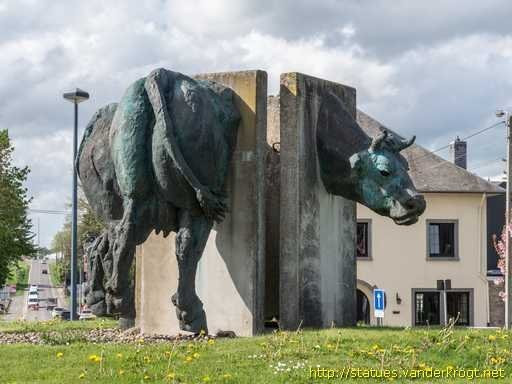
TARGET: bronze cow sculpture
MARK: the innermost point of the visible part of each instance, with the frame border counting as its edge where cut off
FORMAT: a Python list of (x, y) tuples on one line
[(158, 160)]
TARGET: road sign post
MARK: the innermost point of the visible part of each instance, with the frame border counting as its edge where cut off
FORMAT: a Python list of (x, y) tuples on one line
[(379, 304)]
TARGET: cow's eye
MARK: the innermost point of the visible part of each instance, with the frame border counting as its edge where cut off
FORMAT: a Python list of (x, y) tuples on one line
[(384, 173)]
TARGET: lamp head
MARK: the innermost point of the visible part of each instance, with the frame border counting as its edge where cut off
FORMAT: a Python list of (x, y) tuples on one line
[(500, 113), (76, 96)]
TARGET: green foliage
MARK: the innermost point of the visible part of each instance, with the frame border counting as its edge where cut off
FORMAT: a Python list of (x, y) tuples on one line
[(19, 276), (15, 227), (58, 271), (89, 227)]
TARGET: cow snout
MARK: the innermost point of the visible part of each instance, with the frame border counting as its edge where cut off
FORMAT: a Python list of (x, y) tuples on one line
[(416, 204)]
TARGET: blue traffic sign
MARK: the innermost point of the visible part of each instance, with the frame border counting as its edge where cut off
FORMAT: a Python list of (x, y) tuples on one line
[(379, 299)]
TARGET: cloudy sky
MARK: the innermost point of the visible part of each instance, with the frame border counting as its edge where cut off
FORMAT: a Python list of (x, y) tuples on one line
[(435, 68)]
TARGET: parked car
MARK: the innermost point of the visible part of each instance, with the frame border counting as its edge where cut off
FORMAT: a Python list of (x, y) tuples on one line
[(64, 315), (33, 302), (57, 311), (51, 303), (86, 314), (33, 288), (33, 295), (44, 271)]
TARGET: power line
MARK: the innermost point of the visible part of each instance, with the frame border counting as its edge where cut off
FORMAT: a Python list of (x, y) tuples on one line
[(49, 211), (487, 163), (464, 138)]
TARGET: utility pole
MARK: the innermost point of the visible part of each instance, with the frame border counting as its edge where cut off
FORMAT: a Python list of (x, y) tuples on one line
[(508, 243), (508, 259)]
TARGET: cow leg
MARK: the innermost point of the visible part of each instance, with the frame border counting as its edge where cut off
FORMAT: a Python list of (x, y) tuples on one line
[(123, 251), (191, 239), (96, 293)]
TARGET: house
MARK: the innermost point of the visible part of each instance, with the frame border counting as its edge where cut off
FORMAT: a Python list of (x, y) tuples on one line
[(435, 269)]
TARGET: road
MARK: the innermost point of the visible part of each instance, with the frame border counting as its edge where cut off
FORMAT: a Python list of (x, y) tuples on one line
[(18, 308)]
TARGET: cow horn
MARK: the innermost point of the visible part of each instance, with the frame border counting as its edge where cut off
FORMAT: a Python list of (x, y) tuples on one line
[(378, 140), (406, 143)]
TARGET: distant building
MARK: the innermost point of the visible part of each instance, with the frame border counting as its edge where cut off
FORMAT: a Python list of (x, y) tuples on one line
[(436, 268)]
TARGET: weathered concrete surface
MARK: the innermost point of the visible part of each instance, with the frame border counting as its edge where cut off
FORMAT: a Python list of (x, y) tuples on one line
[(230, 277), (272, 209), (317, 258)]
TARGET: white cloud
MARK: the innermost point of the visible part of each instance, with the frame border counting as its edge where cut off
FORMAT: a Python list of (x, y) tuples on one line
[(437, 75)]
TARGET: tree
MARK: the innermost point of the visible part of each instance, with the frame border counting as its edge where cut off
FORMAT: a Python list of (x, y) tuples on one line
[(501, 250), (89, 227), (15, 227)]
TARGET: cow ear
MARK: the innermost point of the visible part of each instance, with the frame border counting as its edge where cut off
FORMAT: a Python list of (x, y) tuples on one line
[(355, 161), (379, 140)]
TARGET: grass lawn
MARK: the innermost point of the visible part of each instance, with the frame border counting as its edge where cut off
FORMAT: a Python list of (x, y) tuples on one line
[(281, 357)]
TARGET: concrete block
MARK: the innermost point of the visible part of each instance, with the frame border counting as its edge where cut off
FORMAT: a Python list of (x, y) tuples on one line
[(317, 276), (230, 277)]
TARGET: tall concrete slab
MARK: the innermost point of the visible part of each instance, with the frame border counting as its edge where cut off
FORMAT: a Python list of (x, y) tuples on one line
[(230, 277), (317, 276)]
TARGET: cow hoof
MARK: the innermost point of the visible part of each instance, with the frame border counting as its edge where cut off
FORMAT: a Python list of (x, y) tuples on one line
[(191, 316), (99, 308), (197, 325), (126, 322)]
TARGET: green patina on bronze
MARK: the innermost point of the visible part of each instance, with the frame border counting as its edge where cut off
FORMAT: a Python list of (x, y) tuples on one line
[(158, 160)]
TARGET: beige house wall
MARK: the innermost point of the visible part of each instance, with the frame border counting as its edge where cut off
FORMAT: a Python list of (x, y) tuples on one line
[(399, 256)]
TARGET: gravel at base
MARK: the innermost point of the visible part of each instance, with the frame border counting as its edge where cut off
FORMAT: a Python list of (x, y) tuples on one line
[(108, 335)]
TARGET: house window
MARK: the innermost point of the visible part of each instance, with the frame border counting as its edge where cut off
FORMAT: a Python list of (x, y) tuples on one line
[(442, 239), (457, 307), (363, 240), (427, 308)]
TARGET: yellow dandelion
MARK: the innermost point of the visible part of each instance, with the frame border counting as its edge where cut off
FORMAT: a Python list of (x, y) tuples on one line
[(171, 375), (226, 376), (147, 360), (59, 355), (196, 355), (211, 341), (188, 359), (119, 355), (146, 377), (82, 375), (168, 353), (492, 337), (206, 379), (120, 372)]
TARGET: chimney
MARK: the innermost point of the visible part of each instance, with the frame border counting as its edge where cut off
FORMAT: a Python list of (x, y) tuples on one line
[(458, 152)]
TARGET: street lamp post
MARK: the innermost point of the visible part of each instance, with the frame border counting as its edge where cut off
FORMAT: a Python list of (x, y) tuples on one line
[(76, 97)]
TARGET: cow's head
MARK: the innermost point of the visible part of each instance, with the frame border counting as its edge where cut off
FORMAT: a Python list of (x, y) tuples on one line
[(382, 182)]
